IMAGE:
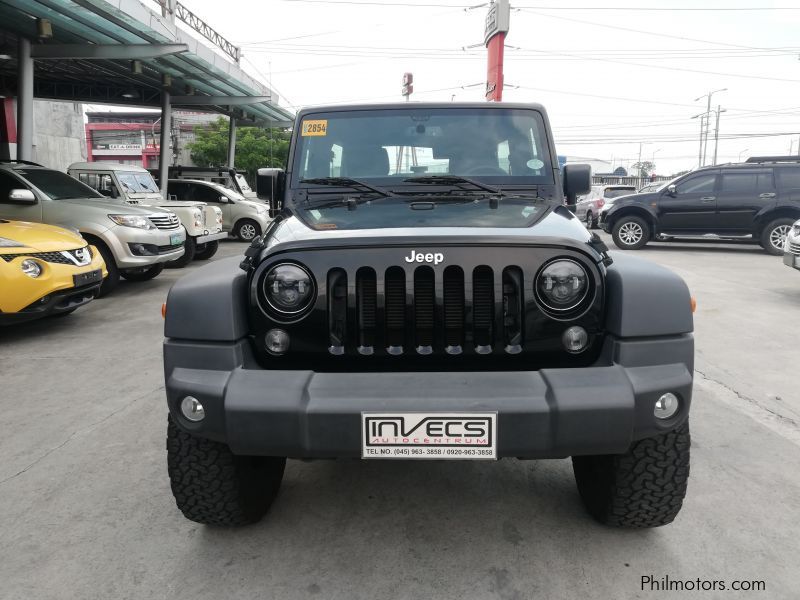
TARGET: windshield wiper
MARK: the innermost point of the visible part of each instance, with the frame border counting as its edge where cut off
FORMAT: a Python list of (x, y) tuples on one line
[(347, 182), (452, 180)]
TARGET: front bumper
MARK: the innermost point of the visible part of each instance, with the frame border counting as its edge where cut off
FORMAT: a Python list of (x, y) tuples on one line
[(546, 413), (56, 303), (119, 239), (791, 260)]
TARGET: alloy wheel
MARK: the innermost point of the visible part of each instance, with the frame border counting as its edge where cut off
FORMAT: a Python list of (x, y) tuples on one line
[(631, 233), (778, 236)]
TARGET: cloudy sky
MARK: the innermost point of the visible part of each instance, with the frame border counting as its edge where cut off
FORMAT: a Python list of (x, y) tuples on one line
[(612, 75)]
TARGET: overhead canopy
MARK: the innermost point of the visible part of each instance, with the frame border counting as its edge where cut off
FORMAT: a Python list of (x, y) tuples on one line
[(122, 31)]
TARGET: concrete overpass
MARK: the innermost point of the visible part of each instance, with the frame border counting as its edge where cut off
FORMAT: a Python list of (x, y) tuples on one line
[(122, 52)]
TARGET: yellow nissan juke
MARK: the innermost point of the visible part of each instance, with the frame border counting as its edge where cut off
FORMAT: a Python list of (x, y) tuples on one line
[(45, 270)]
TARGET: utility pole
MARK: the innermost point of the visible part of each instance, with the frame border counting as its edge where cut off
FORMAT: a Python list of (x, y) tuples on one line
[(494, 37), (704, 140), (700, 151), (716, 132)]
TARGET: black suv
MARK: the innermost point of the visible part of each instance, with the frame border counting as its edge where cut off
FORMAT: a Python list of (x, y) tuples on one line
[(422, 293), (758, 199)]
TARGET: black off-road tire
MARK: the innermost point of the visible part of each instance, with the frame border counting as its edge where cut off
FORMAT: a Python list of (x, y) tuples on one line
[(247, 230), (644, 487), (143, 274), (769, 233), (213, 486), (189, 248), (591, 222), (207, 250), (624, 232), (112, 279)]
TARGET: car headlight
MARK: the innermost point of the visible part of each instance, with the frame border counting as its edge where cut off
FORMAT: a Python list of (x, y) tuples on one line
[(288, 288), (7, 243), (198, 218), (137, 221), (31, 268), (562, 285)]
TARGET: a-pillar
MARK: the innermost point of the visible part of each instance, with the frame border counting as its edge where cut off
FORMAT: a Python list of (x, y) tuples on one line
[(24, 101), (166, 138), (232, 142)]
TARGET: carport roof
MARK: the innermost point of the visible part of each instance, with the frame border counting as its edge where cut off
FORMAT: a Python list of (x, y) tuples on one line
[(124, 22)]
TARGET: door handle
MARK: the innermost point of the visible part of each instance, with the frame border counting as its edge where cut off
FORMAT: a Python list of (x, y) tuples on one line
[(767, 195), (708, 198)]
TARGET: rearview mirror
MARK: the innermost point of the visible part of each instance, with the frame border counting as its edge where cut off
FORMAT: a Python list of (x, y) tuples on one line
[(270, 187), (577, 181), (21, 196)]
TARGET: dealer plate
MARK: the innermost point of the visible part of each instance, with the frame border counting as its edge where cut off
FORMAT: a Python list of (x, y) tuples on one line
[(419, 435), (87, 278)]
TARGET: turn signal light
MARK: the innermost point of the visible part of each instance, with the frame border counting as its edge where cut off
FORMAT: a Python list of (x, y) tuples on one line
[(164, 310), (694, 304)]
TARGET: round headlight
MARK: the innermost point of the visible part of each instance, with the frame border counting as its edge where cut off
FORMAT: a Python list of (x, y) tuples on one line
[(289, 289), (31, 268), (562, 285)]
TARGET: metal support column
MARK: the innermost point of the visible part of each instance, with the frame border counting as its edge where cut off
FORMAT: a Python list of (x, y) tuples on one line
[(232, 142), (166, 134), (25, 101)]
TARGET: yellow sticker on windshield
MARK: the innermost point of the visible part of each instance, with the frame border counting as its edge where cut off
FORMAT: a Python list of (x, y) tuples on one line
[(317, 127)]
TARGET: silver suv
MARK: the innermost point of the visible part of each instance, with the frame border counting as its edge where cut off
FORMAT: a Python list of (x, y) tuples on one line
[(134, 241)]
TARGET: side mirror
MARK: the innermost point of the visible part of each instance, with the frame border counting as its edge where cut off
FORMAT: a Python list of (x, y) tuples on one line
[(21, 196), (672, 190), (270, 185), (223, 199), (577, 181)]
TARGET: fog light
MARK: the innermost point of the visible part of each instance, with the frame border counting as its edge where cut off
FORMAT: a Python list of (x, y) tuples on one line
[(31, 268), (575, 339), (192, 409), (276, 341), (666, 406)]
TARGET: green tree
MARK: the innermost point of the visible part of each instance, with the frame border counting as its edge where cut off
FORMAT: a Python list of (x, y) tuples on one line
[(644, 168), (255, 147)]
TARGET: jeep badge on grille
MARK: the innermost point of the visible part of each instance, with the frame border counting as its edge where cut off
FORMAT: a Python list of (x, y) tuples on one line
[(419, 257)]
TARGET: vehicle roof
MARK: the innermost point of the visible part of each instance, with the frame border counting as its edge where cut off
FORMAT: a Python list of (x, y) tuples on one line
[(407, 105), (750, 165), (106, 166)]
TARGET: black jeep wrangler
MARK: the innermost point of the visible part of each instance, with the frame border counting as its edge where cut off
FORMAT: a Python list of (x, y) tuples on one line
[(423, 293)]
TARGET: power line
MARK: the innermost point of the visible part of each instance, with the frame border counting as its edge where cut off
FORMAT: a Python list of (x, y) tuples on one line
[(561, 8)]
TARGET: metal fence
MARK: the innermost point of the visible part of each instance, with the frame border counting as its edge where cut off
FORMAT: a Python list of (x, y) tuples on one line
[(638, 182)]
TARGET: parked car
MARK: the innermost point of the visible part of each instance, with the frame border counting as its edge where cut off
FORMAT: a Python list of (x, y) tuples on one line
[(45, 270), (589, 206), (134, 241), (391, 313), (243, 218), (758, 200), (791, 248), (135, 185), (227, 177)]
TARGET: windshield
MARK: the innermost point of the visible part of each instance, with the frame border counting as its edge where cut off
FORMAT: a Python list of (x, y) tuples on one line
[(509, 212), (135, 182), (58, 185), (386, 146)]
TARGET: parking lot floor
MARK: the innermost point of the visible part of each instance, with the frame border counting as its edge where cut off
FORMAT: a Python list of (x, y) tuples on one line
[(86, 510)]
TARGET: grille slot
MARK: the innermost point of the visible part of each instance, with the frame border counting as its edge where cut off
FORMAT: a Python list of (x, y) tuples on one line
[(424, 306), (483, 309), (337, 310), (794, 248), (366, 309), (512, 309), (453, 309), (51, 257), (395, 309)]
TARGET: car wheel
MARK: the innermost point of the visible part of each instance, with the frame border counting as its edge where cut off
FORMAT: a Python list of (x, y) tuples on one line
[(630, 233), (188, 255), (207, 250), (213, 486), (774, 235), (144, 273), (644, 487), (247, 229), (112, 279), (591, 222)]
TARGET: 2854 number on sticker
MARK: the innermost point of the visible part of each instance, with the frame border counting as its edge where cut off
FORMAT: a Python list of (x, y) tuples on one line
[(317, 127)]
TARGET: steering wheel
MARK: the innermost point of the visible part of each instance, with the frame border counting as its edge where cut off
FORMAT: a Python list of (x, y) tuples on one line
[(486, 170)]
